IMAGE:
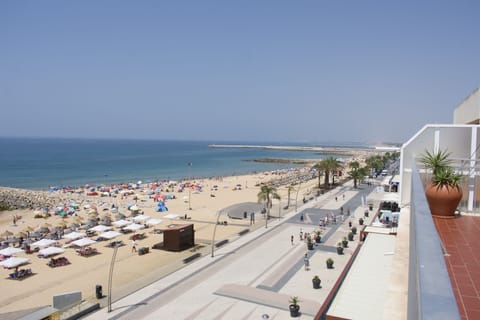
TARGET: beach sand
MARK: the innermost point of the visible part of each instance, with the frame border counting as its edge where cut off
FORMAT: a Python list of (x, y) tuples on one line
[(131, 270)]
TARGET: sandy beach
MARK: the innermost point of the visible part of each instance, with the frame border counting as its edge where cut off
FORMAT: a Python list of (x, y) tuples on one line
[(133, 271)]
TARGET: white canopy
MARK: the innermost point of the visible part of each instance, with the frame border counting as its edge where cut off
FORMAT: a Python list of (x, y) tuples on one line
[(391, 196), (74, 235), (13, 262), (110, 234), (171, 216), (134, 227), (50, 251), (9, 251), (141, 218), (121, 223), (100, 228), (153, 222), (43, 243), (83, 242)]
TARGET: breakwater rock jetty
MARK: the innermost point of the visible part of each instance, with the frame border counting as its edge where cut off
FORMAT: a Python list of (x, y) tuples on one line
[(12, 199), (340, 151)]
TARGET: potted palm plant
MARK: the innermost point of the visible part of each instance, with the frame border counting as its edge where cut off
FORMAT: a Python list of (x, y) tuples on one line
[(350, 236), (345, 242), (309, 243), (294, 307), (329, 263), (360, 221), (316, 282), (339, 248), (443, 191), (318, 238), (354, 230)]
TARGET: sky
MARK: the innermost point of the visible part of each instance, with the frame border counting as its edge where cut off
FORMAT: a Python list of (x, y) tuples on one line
[(280, 71)]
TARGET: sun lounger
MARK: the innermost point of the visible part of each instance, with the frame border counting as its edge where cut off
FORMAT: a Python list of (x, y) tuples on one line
[(20, 274)]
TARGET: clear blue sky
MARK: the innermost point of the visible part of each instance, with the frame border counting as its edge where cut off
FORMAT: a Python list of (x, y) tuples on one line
[(284, 71)]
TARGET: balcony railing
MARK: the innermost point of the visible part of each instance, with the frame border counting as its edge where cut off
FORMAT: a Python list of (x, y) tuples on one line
[(430, 293)]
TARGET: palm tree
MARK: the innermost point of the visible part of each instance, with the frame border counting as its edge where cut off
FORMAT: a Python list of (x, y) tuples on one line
[(265, 195), (324, 166), (320, 168), (356, 173), (334, 165), (374, 162)]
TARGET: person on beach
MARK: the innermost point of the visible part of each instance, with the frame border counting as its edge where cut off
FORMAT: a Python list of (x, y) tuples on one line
[(291, 239), (134, 246)]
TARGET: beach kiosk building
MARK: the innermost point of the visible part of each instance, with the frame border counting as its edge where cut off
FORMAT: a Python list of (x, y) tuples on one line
[(179, 237)]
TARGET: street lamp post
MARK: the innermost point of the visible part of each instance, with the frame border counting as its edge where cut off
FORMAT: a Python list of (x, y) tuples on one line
[(110, 278), (296, 197), (190, 188), (214, 230), (279, 208)]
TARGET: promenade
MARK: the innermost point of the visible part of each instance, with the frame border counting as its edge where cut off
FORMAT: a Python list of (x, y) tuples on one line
[(254, 276)]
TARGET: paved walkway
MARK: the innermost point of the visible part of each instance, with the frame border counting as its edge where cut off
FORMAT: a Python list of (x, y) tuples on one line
[(255, 275)]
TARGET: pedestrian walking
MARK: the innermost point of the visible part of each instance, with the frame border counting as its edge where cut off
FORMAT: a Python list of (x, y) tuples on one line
[(306, 262), (134, 246), (291, 239), (252, 218)]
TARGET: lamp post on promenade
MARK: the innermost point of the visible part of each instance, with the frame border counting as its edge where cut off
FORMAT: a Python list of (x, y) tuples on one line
[(110, 278), (190, 188), (296, 197), (279, 208), (214, 230)]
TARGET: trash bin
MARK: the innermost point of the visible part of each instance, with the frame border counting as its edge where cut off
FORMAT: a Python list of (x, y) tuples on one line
[(98, 291)]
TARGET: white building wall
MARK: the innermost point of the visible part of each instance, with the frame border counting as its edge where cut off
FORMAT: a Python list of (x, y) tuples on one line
[(469, 110)]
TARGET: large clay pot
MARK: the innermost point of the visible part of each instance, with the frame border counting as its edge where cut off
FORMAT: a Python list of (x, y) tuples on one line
[(443, 201)]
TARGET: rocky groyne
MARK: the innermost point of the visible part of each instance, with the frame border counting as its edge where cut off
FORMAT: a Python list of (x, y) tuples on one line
[(12, 199)]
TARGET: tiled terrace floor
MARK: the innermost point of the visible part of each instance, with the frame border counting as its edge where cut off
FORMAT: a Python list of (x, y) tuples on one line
[(461, 239)]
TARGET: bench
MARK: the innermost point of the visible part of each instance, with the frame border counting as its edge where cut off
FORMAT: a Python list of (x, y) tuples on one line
[(192, 257)]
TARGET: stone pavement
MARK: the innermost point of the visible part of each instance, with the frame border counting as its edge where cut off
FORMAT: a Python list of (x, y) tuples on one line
[(254, 276)]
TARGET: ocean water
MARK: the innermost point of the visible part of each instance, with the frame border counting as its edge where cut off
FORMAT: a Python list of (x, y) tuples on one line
[(40, 163)]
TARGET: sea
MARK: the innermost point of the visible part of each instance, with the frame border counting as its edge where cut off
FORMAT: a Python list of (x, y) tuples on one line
[(42, 163)]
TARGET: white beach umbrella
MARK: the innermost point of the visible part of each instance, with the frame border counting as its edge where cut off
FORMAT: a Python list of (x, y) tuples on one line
[(74, 235), (13, 262), (134, 227), (110, 234), (10, 251), (43, 243), (153, 222), (121, 223), (50, 251), (83, 242), (141, 218), (100, 228)]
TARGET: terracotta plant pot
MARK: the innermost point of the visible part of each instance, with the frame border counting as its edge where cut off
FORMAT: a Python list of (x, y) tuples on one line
[(443, 201)]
